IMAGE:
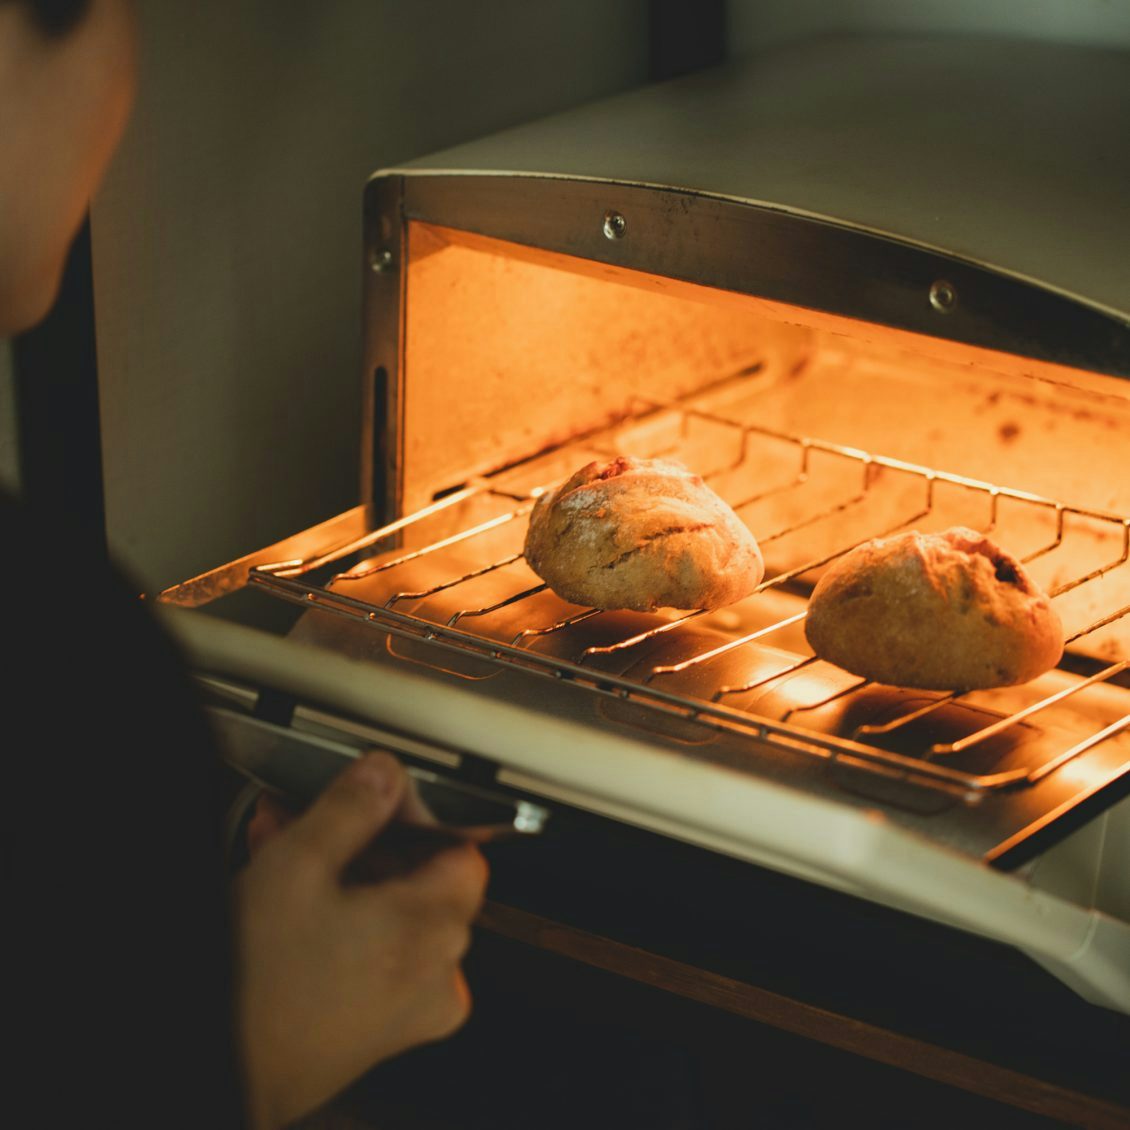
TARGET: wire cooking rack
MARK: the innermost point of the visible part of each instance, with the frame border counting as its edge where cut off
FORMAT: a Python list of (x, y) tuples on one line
[(527, 633)]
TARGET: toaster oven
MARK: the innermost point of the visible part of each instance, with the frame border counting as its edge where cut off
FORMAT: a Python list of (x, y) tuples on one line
[(912, 315)]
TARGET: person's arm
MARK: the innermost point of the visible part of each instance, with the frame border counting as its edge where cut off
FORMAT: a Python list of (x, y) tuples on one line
[(333, 976)]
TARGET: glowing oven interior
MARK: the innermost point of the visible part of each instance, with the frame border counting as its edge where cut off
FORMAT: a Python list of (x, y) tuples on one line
[(519, 366)]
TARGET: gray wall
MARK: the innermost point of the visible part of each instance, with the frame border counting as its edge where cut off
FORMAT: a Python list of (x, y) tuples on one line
[(227, 237), (759, 24)]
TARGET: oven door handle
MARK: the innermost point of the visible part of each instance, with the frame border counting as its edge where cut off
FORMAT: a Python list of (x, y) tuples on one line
[(298, 765)]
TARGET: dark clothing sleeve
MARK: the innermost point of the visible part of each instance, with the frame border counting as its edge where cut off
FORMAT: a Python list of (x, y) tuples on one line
[(118, 967)]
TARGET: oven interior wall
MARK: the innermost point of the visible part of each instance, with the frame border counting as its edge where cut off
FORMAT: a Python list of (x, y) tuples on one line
[(510, 353), (506, 357)]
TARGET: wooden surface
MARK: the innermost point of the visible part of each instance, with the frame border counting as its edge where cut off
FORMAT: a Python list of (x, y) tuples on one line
[(740, 998)]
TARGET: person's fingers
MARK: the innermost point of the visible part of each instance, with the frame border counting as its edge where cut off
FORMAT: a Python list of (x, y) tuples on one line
[(268, 819), (412, 809), (355, 806), (450, 1008), (454, 878)]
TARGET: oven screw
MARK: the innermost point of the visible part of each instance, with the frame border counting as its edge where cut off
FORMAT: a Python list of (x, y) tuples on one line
[(380, 259), (614, 225), (943, 297)]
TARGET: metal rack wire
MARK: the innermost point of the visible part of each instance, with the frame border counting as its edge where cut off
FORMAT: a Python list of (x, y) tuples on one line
[(933, 763)]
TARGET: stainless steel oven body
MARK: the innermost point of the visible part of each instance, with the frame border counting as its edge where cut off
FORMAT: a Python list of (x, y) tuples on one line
[(863, 287)]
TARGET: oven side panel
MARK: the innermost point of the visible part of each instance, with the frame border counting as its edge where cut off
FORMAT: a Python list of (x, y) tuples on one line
[(384, 287)]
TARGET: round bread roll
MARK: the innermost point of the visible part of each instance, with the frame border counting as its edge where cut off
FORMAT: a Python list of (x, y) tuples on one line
[(641, 534), (948, 612)]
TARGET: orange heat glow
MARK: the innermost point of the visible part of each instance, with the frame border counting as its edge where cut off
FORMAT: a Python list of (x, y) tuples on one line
[(509, 351)]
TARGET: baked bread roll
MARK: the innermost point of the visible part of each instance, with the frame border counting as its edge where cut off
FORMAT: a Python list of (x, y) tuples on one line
[(948, 612), (641, 534)]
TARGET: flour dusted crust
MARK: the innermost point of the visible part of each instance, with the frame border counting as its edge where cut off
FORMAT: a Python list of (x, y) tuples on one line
[(641, 534), (946, 611)]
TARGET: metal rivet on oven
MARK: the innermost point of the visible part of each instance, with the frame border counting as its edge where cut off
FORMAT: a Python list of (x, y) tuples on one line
[(614, 225), (943, 297), (380, 259)]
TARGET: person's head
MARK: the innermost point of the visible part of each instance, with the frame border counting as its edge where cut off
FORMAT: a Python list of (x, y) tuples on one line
[(66, 84)]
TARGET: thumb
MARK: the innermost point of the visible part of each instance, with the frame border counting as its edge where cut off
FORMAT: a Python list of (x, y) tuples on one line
[(355, 806)]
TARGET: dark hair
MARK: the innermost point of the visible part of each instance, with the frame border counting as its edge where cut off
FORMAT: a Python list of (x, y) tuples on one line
[(56, 17)]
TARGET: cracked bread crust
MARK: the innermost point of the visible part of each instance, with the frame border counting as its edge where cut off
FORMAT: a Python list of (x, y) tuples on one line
[(641, 534), (949, 612)]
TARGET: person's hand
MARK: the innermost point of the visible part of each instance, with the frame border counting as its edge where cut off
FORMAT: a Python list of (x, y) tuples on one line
[(332, 974)]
